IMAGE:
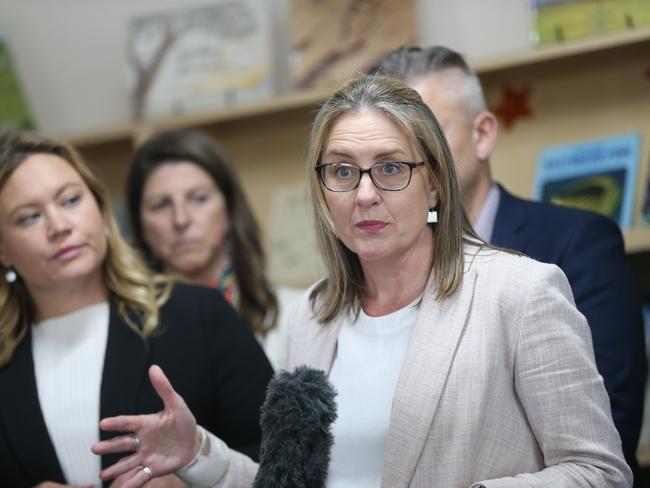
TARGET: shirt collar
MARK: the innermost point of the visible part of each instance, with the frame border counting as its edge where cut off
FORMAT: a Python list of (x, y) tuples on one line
[(484, 225)]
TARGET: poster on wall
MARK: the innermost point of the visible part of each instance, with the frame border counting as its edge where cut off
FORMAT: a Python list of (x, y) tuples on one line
[(200, 58), (14, 113), (598, 175), (555, 21), (333, 41)]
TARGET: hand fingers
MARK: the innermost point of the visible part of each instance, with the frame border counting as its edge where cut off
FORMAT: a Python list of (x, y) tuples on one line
[(121, 443), (123, 478), (164, 388), (122, 423), (140, 478), (132, 479), (120, 467)]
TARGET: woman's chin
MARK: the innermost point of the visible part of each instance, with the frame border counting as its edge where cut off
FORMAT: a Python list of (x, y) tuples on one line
[(191, 270)]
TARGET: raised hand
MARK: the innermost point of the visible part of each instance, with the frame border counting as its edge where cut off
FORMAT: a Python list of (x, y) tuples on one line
[(161, 442)]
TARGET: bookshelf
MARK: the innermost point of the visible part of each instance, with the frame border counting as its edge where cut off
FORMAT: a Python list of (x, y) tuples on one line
[(582, 90), (310, 98)]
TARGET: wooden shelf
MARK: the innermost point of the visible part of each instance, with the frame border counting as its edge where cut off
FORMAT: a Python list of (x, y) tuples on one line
[(102, 136), (562, 50), (276, 104), (289, 105), (305, 99)]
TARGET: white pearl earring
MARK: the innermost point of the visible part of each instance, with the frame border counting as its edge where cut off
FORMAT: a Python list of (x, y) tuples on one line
[(11, 276), (432, 217)]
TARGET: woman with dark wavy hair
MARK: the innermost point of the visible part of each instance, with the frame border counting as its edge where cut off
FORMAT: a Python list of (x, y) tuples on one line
[(189, 216)]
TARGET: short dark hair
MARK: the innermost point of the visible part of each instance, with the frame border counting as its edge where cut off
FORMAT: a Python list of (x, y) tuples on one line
[(406, 63)]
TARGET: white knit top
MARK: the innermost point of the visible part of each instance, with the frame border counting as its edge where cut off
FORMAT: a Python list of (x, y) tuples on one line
[(68, 361), (369, 357)]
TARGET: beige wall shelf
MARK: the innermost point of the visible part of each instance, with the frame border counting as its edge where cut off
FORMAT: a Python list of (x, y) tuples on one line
[(582, 90), (310, 98), (563, 50)]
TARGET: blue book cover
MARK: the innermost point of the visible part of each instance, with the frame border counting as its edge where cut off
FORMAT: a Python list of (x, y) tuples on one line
[(596, 175)]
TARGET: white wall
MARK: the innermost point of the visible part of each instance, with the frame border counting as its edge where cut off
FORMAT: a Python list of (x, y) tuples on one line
[(475, 28), (70, 54)]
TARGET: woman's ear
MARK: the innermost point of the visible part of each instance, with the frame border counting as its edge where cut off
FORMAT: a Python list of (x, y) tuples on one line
[(485, 134), (433, 195)]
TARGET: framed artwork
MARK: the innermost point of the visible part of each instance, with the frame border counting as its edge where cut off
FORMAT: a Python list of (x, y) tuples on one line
[(200, 58), (334, 40)]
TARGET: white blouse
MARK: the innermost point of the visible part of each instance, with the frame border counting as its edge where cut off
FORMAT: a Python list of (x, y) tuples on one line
[(369, 357), (68, 361)]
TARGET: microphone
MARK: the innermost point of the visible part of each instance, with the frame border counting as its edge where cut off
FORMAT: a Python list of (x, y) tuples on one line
[(296, 440)]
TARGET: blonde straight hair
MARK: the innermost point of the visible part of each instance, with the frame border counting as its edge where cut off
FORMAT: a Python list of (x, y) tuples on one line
[(138, 293), (345, 283)]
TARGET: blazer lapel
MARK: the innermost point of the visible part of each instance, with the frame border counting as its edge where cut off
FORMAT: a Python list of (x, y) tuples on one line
[(429, 357), (22, 417), (509, 222), (125, 371), (318, 346)]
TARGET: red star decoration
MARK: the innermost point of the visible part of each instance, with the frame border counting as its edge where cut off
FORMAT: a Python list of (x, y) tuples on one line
[(514, 105)]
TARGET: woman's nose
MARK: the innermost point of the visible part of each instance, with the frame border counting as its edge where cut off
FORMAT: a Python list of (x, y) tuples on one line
[(57, 223), (367, 192), (181, 216)]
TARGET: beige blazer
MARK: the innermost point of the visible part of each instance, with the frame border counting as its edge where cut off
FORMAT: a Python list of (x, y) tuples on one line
[(498, 388)]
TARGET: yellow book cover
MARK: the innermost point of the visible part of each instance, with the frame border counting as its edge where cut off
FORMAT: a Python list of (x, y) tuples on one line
[(562, 20)]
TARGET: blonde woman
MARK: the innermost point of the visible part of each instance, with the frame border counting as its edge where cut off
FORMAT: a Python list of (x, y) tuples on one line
[(82, 318), (456, 364)]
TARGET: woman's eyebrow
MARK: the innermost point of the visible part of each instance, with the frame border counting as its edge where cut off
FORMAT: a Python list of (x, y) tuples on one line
[(32, 203)]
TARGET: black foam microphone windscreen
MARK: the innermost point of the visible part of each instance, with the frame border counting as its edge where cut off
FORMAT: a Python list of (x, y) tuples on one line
[(296, 439)]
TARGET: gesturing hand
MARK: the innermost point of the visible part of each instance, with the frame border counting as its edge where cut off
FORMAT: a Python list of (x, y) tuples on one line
[(162, 442)]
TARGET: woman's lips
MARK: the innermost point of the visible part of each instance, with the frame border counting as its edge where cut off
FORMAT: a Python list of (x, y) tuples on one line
[(185, 244), (67, 253), (371, 226)]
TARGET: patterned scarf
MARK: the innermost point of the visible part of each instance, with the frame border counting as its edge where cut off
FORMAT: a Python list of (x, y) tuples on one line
[(226, 283)]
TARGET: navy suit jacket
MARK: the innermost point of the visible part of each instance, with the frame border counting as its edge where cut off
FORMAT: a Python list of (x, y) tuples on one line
[(589, 249), (208, 353)]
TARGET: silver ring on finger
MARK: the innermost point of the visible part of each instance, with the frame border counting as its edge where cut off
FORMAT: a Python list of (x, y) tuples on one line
[(146, 470), (136, 441)]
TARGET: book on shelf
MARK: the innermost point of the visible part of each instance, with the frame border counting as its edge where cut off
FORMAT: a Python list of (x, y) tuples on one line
[(597, 175), (14, 112), (553, 21), (333, 41), (200, 58)]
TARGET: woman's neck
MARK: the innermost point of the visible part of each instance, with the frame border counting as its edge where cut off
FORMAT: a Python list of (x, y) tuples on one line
[(207, 275), (393, 285), (54, 302)]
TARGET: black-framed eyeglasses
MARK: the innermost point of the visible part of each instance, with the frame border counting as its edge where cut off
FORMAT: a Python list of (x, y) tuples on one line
[(387, 175)]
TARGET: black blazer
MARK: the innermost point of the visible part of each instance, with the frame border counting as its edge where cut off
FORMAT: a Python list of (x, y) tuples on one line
[(210, 356), (589, 249)]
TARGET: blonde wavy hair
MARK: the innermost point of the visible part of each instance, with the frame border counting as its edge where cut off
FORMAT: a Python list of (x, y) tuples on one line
[(345, 285), (138, 293)]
